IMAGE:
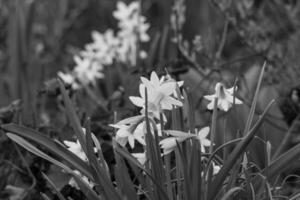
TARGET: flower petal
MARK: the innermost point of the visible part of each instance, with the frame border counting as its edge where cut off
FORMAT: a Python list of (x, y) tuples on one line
[(167, 88), (154, 79), (138, 101), (203, 132)]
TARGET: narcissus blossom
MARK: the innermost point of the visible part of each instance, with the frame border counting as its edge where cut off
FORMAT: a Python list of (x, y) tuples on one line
[(141, 157), (76, 148), (103, 49), (159, 95), (73, 182), (216, 168), (128, 134), (224, 96), (170, 143), (87, 71), (69, 79), (136, 130), (201, 136), (133, 29)]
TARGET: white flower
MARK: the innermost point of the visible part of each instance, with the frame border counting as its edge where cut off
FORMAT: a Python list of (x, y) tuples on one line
[(134, 131), (123, 11), (201, 136), (133, 29), (178, 15), (103, 49), (179, 84), (76, 148), (68, 79), (73, 182), (158, 95), (141, 157), (87, 71), (216, 168), (129, 133), (224, 96), (170, 143)]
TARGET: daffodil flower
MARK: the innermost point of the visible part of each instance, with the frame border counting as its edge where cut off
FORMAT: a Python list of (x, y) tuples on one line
[(170, 143), (103, 49), (69, 79), (216, 168), (201, 136), (73, 182), (224, 96), (87, 71), (158, 95), (141, 157), (124, 11), (128, 134), (133, 29), (76, 148)]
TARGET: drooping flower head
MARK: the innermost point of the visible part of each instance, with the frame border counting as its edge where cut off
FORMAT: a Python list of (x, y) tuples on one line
[(133, 129), (225, 98), (176, 137)]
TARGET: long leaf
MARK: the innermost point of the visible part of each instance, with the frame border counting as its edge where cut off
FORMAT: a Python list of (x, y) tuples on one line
[(72, 116), (25, 144), (53, 147), (254, 101)]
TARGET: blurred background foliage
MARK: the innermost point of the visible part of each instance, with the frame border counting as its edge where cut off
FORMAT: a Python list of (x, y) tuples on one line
[(221, 40)]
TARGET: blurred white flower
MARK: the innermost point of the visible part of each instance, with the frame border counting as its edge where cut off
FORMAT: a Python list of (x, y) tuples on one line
[(73, 182), (87, 71), (76, 148), (103, 49), (178, 15), (123, 11), (133, 29), (224, 96), (68, 79)]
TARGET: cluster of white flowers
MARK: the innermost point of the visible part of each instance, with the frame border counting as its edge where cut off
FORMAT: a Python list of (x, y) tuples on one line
[(164, 94), (108, 47)]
